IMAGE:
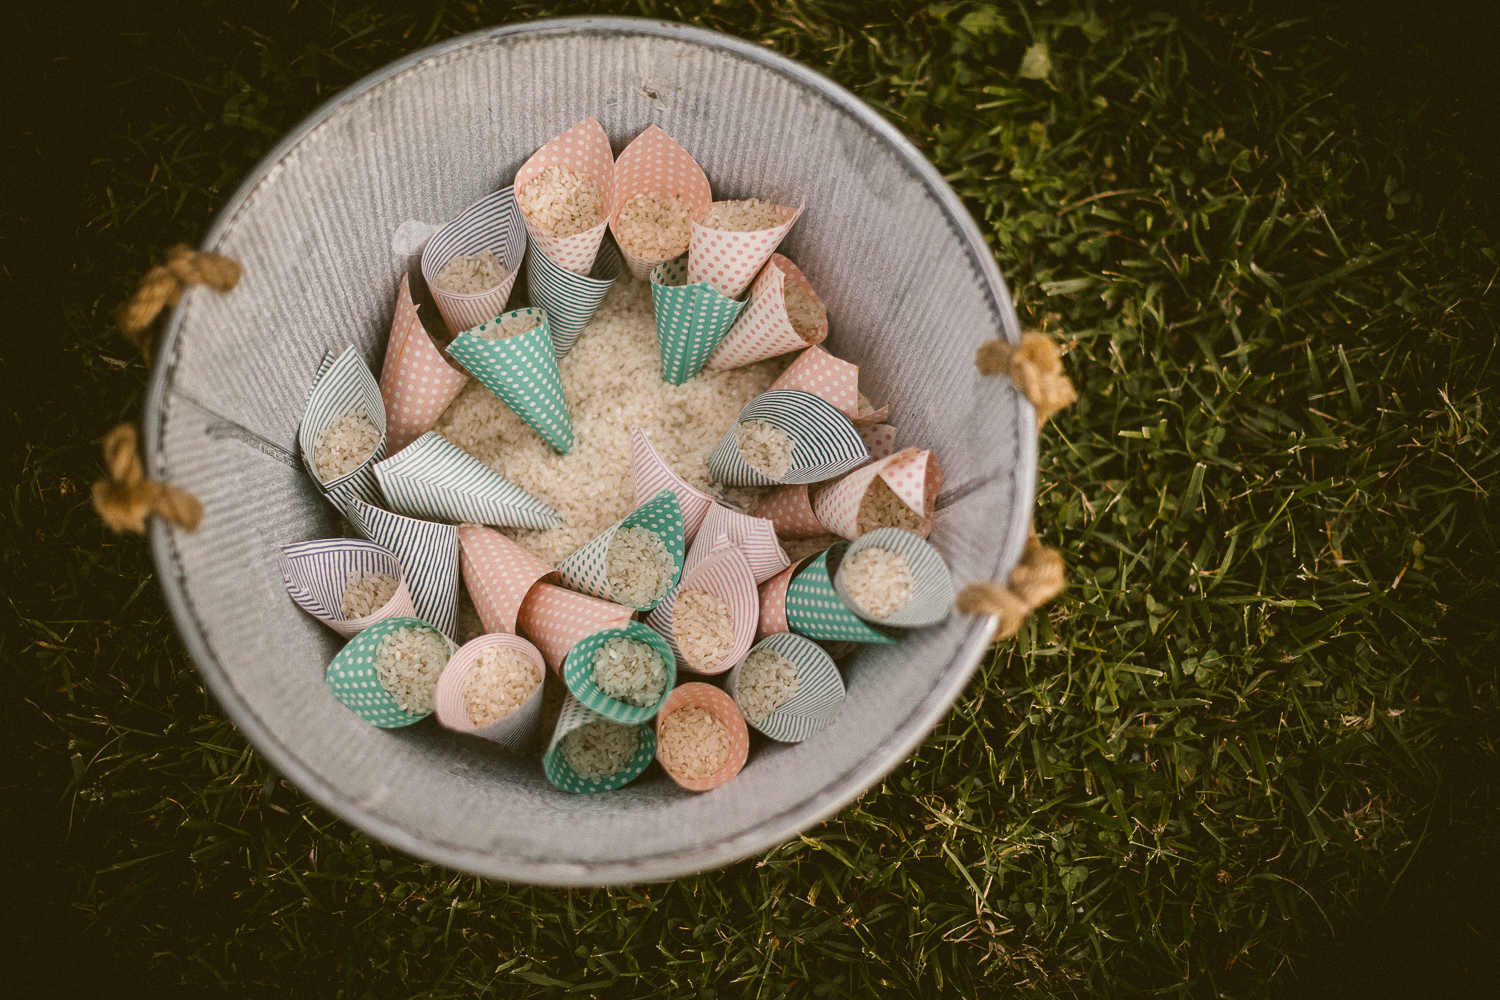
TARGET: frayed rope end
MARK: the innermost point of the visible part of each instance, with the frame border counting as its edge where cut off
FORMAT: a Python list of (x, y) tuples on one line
[(1035, 366), (1038, 578), (162, 286), (126, 498)]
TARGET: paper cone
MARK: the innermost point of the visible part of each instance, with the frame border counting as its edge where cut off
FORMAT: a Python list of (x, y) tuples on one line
[(697, 694), (753, 536), (499, 574), (820, 690), (329, 357), (586, 570), (691, 319), (353, 680), (492, 223), (789, 508), (726, 575), (561, 773), (416, 383), (815, 609), (522, 371), (585, 149), (437, 480), (880, 439), (578, 673), (772, 596), (316, 574), (345, 386), (912, 474), (654, 163), (570, 299), (428, 552), (518, 729), (871, 419), (824, 442), (554, 619), (820, 373), (765, 330), (932, 584), (729, 261), (651, 474)]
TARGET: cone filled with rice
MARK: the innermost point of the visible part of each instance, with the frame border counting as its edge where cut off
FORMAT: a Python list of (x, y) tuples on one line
[(498, 574), (701, 739), (416, 382), (691, 319), (790, 509), (470, 264), (753, 536), (347, 584), (732, 239), (636, 561), (492, 687), (555, 619), (787, 436), (815, 609), (428, 552), (658, 187), (820, 373), (564, 191), (342, 431), (894, 578), (388, 673), (898, 491), (650, 474), (513, 356), (570, 299), (709, 620), (788, 687), (591, 753), (435, 479), (784, 315), (622, 673)]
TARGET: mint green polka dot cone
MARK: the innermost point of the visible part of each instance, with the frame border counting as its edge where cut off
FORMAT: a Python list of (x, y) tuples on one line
[(690, 319), (522, 371), (562, 774), (578, 673), (352, 678), (587, 570), (815, 609)]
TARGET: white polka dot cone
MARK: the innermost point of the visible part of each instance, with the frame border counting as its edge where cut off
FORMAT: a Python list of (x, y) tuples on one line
[(570, 299), (518, 730), (578, 673), (583, 148), (650, 474), (435, 479), (789, 508), (880, 439), (555, 765), (824, 442), (726, 575), (416, 382), (691, 319), (931, 588), (697, 694), (555, 618), (654, 163), (586, 570), (428, 552), (773, 601), (492, 223), (764, 330), (498, 573), (343, 387), (730, 261), (522, 371), (352, 678), (316, 574), (754, 536), (819, 696), (815, 609), (912, 474), (820, 373)]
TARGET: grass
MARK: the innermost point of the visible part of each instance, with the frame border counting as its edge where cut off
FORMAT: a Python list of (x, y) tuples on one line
[(1255, 739)]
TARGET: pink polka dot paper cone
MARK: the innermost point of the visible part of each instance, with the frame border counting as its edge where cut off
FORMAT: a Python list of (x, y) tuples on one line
[(416, 381), (651, 474), (754, 536), (518, 730), (655, 164), (765, 330), (726, 575), (691, 319), (587, 569), (931, 587), (730, 261), (819, 696), (879, 438), (820, 373), (499, 575), (871, 419), (823, 442), (316, 575), (696, 694), (773, 601), (583, 148), (791, 510), (912, 474), (492, 223), (555, 619)]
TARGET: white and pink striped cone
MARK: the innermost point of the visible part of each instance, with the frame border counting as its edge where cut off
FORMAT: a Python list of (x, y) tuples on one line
[(583, 148), (880, 439), (764, 330), (773, 601), (554, 619), (726, 575), (790, 509), (754, 536), (492, 223), (912, 474), (499, 575), (651, 474), (728, 260), (416, 382), (820, 373), (518, 730), (697, 694), (654, 163)]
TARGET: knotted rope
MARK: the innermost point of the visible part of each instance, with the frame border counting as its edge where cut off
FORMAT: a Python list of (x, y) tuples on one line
[(125, 498), (163, 285), (1035, 367)]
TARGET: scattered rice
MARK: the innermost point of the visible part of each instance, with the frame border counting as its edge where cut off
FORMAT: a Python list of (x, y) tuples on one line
[(512, 326), (692, 743), (878, 580), (882, 508), (766, 447), (500, 683), (470, 273), (630, 671), (806, 313), (703, 626), (600, 748), (639, 567), (767, 681), (346, 443), (654, 227), (561, 202), (407, 664), (751, 215), (366, 593)]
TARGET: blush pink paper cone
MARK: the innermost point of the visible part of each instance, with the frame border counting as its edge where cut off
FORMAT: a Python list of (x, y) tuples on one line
[(754, 536), (654, 163), (872, 418), (822, 374), (518, 729), (726, 575), (696, 694), (912, 474), (650, 474), (729, 261), (773, 601), (554, 619), (791, 510), (416, 383), (499, 574), (879, 439), (764, 330), (585, 149)]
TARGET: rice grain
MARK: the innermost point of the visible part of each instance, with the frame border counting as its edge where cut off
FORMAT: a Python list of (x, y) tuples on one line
[(693, 743), (806, 313), (654, 227), (767, 680), (407, 664), (345, 445), (748, 216), (639, 567), (366, 593), (501, 682), (878, 580), (600, 748), (630, 671), (766, 447), (561, 202), (703, 626), (882, 508), (472, 273), (512, 326)]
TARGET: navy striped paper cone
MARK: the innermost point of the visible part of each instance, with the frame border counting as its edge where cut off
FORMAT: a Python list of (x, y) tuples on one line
[(428, 552), (353, 680), (435, 479), (570, 299), (492, 223), (691, 319), (819, 695), (650, 474), (697, 694), (655, 164), (765, 330), (587, 570), (824, 442), (815, 609), (754, 536), (578, 673), (931, 583), (518, 730), (561, 773), (345, 386), (522, 371), (726, 575), (316, 574), (584, 149)]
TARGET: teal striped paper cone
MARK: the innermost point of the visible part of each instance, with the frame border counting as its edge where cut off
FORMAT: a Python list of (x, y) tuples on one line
[(428, 552), (352, 678), (578, 673), (435, 479), (570, 299), (824, 443), (817, 700), (341, 387), (561, 773), (815, 609), (518, 730), (931, 583), (587, 570), (522, 371), (691, 319)]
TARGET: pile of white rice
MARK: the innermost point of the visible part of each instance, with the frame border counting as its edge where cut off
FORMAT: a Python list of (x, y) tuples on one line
[(638, 566), (703, 626), (407, 664), (767, 681), (470, 273), (512, 326), (878, 580), (748, 216), (346, 443), (692, 743), (630, 671), (654, 227), (501, 682), (765, 446), (561, 202), (366, 593), (882, 508), (600, 748), (806, 313)]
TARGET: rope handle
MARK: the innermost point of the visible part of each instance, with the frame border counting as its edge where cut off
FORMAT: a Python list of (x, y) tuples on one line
[(163, 285)]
